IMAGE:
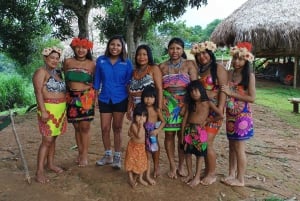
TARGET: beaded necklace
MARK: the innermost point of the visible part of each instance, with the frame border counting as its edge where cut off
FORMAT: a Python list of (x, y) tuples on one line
[(175, 66), (204, 68), (140, 73)]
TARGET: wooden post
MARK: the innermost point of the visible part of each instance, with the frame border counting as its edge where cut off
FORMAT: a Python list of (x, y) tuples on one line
[(296, 63)]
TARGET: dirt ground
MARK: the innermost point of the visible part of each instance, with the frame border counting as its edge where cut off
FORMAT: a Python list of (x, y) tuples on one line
[(273, 169)]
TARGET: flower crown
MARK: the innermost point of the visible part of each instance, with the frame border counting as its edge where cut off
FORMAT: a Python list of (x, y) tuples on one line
[(48, 51), (243, 49), (201, 47), (85, 43)]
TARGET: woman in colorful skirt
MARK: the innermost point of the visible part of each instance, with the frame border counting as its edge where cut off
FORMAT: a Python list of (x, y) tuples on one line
[(177, 73), (79, 74), (49, 89), (239, 122), (212, 75)]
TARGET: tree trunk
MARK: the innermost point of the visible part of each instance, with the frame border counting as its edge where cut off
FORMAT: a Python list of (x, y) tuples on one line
[(83, 24), (131, 46)]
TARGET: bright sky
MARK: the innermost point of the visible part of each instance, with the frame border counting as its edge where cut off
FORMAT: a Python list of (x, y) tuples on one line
[(215, 9)]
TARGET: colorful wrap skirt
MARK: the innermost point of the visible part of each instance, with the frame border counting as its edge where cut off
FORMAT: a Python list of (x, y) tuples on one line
[(81, 105), (195, 140), (57, 124), (239, 121), (174, 103), (174, 86), (136, 157)]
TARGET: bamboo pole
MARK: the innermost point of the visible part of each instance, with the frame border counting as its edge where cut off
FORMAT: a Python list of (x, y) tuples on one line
[(27, 176)]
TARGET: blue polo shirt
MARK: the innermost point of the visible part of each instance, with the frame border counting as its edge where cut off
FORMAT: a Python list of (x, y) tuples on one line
[(112, 79)]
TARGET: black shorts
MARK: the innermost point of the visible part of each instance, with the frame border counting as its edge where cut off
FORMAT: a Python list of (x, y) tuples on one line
[(191, 149), (110, 107)]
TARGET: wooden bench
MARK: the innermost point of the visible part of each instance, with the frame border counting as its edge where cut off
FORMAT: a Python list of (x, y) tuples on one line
[(295, 102)]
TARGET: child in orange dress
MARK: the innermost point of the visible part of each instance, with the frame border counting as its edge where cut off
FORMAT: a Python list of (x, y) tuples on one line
[(136, 156)]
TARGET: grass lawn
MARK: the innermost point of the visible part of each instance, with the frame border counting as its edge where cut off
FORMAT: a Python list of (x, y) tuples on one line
[(275, 96)]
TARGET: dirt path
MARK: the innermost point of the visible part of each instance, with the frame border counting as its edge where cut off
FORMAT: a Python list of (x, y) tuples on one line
[(273, 168)]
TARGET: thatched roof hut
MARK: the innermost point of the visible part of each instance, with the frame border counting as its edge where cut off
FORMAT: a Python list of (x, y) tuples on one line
[(272, 26)]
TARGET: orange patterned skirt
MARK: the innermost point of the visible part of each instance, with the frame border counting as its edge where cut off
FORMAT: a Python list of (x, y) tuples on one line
[(136, 157)]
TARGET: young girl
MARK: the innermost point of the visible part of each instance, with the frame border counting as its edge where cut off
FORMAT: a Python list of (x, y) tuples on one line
[(193, 128), (153, 126), (239, 122), (136, 157)]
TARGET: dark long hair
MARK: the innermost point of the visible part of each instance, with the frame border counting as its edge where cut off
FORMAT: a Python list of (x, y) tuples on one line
[(150, 91), (195, 84), (140, 109), (123, 54), (246, 75), (149, 54), (180, 42), (213, 65)]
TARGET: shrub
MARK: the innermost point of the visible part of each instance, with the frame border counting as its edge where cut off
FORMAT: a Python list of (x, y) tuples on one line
[(15, 92)]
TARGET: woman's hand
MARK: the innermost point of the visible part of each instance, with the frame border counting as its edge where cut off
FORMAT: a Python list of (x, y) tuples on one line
[(44, 116), (226, 89)]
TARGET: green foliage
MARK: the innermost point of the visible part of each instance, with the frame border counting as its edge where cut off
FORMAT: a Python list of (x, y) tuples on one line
[(188, 34), (20, 23), (273, 198), (209, 29), (15, 92), (113, 22)]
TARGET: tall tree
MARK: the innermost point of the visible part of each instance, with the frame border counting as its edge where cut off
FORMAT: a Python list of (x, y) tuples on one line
[(139, 16), (63, 14)]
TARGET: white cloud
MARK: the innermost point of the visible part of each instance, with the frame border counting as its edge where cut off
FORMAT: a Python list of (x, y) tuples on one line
[(215, 9)]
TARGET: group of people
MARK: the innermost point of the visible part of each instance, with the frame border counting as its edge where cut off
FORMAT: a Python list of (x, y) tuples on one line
[(183, 98)]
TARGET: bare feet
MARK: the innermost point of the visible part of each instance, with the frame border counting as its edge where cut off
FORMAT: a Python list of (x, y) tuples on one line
[(132, 179), (150, 180), (234, 182), (187, 179), (132, 183), (77, 160), (156, 173), (172, 174), (181, 173), (56, 169), (208, 180), (142, 181), (195, 182), (83, 163), (225, 179), (40, 178)]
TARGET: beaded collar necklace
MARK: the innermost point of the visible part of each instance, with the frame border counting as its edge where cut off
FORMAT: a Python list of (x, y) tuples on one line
[(203, 68), (172, 65)]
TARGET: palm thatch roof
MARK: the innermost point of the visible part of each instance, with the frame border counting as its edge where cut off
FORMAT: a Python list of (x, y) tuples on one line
[(272, 26)]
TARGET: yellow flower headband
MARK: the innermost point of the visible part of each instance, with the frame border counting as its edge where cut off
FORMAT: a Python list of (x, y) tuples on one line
[(201, 47), (243, 50), (48, 51)]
